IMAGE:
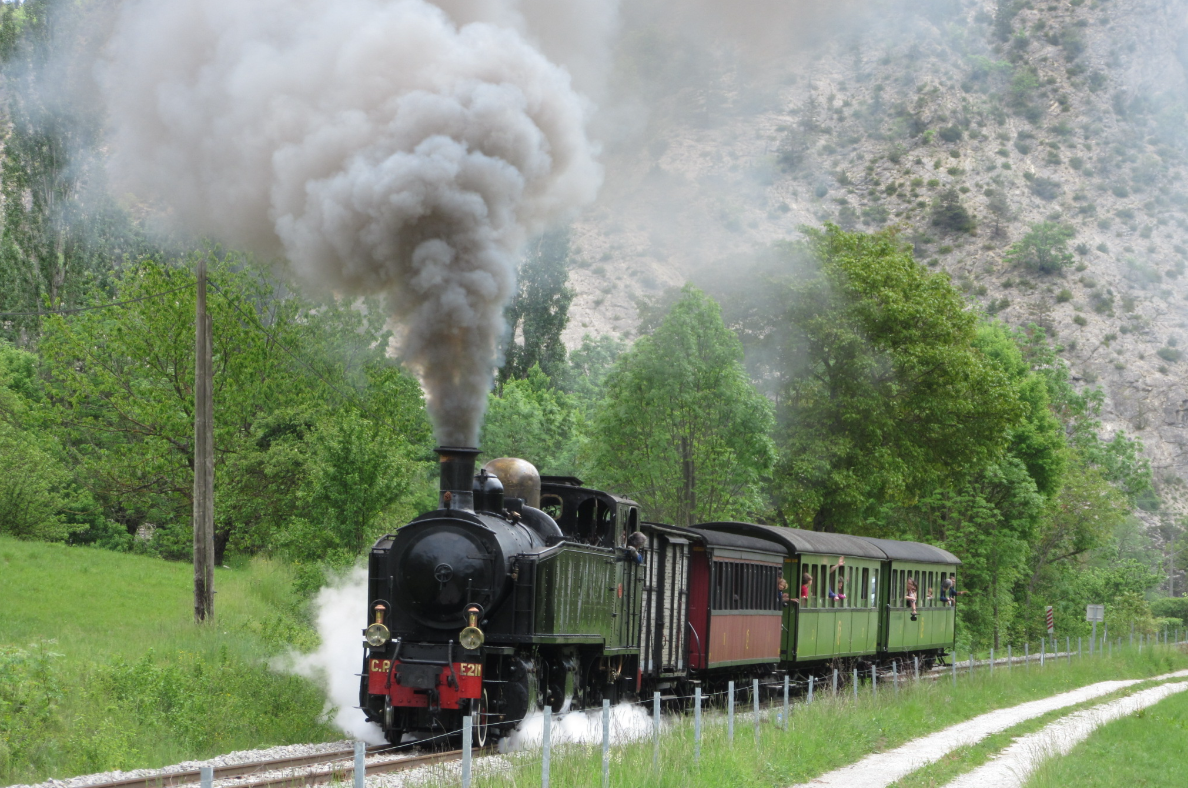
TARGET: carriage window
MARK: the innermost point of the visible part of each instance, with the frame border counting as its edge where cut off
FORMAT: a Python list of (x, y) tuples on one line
[(874, 586), (865, 585)]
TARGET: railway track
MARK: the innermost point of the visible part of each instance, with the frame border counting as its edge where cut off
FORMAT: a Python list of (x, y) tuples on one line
[(303, 770)]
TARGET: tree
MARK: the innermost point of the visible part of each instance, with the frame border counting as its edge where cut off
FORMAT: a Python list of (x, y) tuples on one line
[(540, 311), (1000, 208), (287, 374), (681, 429), (1044, 249), (61, 230), (885, 395), (531, 419), (948, 213)]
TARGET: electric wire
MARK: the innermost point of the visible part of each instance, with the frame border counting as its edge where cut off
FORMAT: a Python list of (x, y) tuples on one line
[(98, 307)]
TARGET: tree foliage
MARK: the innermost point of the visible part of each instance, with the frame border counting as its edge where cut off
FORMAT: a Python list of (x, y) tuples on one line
[(536, 421), (290, 429), (949, 213), (886, 394), (681, 429), (540, 311), (1044, 249)]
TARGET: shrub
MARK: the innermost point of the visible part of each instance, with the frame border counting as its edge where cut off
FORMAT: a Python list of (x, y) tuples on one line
[(1046, 189), (1171, 607), (951, 133), (1080, 320), (1170, 354), (1044, 249), (949, 213), (1064, 296)]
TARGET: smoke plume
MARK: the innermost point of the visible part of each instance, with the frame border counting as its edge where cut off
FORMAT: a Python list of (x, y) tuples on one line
[(379, 146), (341, 614)]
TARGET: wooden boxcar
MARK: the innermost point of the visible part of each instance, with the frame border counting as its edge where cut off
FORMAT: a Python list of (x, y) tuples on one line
[(735, 613)]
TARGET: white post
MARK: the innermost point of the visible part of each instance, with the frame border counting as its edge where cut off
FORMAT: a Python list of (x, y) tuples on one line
[(730, 715), (606, 737), (1027, 654), (874, 681), (810, 697), (855, 683), (916, 666), (1043, 650), (697, 724), (545, 742), (656, 730), (755, 706), (206, 776), (1093, 640), (361, 765), (953, 665), (895, 675), (992, 660), (467, 736), (835, 682), (785, 701)]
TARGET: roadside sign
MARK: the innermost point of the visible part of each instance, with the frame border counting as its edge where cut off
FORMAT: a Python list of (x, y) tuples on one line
[(1051, 621), (1095, 613)]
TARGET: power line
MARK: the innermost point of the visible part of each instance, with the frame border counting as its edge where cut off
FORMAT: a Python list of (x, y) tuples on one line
[(93, 308)]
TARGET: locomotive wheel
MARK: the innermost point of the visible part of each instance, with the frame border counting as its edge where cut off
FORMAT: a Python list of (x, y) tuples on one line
[(482, 725)]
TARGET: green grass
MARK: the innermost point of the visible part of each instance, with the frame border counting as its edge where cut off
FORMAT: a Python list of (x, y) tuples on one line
[(968, 758), (1143, 749), (827, 735), (102, 667)]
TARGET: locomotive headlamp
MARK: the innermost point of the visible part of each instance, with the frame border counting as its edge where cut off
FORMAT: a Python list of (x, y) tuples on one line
[(472, 637), (377, 634)]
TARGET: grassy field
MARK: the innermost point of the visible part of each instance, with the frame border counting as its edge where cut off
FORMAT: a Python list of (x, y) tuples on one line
[(102, 667), (1145, 749), (824, 736)]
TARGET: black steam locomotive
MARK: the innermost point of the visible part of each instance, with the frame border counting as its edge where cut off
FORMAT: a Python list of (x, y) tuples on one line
[(522, 592)]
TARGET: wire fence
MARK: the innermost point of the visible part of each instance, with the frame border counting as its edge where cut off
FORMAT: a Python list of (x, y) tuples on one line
[(784, 695)]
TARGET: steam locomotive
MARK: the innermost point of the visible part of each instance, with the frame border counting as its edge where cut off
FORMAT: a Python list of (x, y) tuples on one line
[(522, 592)]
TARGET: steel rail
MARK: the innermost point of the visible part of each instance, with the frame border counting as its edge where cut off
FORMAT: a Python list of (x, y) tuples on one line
[(192, 776)]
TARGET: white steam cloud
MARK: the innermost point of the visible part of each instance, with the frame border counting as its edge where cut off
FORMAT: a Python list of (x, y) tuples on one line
[(378, 145), (341, 615)]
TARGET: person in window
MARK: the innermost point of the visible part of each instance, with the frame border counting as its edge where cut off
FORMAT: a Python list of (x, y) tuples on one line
[(782, 592), (806, 584), (838, 589), (953, 592), (910, 596), (946, 596), (928, 596), (635, 545)]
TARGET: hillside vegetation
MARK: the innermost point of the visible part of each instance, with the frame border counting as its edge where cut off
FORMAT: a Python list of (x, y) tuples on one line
[(102, 668)]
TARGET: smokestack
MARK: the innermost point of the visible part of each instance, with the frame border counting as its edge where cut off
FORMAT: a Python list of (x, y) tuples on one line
[(457, 477)]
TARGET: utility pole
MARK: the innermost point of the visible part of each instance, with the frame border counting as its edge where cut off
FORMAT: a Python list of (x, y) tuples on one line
[(203, 457)]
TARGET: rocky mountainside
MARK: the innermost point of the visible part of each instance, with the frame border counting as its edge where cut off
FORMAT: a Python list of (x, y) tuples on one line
[(1070, 112)]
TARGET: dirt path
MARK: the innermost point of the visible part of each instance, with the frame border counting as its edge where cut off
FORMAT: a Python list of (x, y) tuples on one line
[(882, 769), (1012, 767)]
